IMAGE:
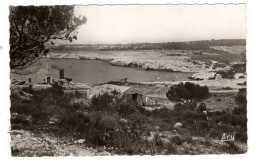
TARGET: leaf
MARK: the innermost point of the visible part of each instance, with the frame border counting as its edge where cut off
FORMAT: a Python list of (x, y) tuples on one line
[(67, 35), (75, 37), (38, 24), (70, 38), (46, 51)]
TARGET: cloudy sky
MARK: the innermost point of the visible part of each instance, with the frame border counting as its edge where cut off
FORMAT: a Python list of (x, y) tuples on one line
[(160, 23)]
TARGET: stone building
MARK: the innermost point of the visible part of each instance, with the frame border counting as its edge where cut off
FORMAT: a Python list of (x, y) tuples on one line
[(129, 94), (47, 74)]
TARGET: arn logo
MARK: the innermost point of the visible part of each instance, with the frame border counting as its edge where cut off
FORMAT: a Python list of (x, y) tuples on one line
[(228, 137)]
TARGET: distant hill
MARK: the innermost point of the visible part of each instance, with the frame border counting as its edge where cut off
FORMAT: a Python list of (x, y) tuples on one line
[(189, 45)]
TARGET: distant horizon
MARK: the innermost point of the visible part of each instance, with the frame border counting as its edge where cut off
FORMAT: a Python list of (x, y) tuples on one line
[(68, 43)]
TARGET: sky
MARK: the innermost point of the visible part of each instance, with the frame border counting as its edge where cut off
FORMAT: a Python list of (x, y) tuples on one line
[(110, 24)]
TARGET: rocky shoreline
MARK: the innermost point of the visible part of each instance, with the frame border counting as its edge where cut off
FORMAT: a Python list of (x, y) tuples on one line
[(148, 60)]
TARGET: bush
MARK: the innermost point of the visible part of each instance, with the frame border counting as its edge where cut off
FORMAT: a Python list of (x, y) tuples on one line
[(107, 122), (190, 105), (40, 115), (235, 68), (241, 101), (239, 120), (224, 118), (241, 136), (126, 109), (187, 91), (56, 90), (138, 119), (193, 115), (103, 102), (28, 89), (202, 107), (177, 140)]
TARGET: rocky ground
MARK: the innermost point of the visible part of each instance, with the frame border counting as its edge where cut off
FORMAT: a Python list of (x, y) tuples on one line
[(166, 60), (31, 144)]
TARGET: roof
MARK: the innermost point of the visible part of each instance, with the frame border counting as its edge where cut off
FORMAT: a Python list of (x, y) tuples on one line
[(110, 87), (37, 68), (56, 67)]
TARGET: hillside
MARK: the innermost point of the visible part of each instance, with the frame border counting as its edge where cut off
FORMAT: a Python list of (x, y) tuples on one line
[(189, 45)]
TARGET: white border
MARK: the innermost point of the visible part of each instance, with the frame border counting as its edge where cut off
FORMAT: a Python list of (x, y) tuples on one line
[(253, 28)]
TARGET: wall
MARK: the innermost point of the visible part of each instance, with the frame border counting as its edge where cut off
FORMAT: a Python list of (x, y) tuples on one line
[(139, 98), (42, 75)]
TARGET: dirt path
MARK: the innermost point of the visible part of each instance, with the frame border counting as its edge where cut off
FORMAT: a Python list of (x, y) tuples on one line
[(25, 143)]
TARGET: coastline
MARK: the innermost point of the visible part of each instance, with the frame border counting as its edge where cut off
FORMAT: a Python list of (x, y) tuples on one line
[(145, 60)]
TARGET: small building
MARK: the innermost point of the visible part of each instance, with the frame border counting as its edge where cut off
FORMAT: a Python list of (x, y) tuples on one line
[(129, 94), (46, 74)]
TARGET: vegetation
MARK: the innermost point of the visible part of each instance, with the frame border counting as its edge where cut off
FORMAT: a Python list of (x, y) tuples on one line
[(235, 68), (191, 45), (32, 26), (241, 102), (187, 91), (122, 127)]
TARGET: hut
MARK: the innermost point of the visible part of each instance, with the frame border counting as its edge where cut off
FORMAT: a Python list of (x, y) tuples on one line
[(128, 94), (133, 95), (46, 74)]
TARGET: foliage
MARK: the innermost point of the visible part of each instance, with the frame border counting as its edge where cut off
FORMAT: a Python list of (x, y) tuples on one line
[(241, 97), (126, 108), (202, 107), (241, 101), (110, 122), (104, 102), (32, 26), (235, 68), (187, 91), (192, 45), (28, 90)]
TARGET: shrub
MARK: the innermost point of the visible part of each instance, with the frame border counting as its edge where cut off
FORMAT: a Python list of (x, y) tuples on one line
[(190, 105), (241, 97), (162, 113), (241, 136), (40, 114), (239, 120), (78, 94), (126, 109), (28, 89), (224, 118), (193, 115), (226, 74), (241, 101), (105, 129), (107, 122), (22, 108), (56, 90), (202, 107), (71, 120), (176, 140), (179, 108), (138, 119), (235, 68), (103, 102), (187, 91)]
